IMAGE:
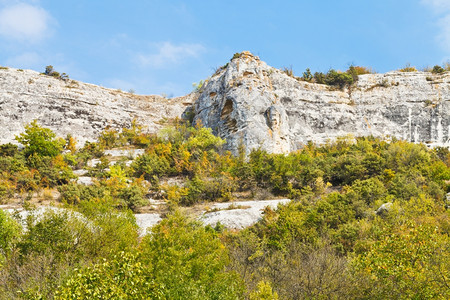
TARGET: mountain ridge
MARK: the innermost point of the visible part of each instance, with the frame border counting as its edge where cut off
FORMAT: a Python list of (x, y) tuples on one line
[(73, 107), (245, 102), (256, 105)]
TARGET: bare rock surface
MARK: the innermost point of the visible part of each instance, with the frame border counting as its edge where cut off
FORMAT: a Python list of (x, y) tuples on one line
[(147, 221), (235, 215), (73, 107), (240, 214), (124, 152), (245, 102), (252, 103)]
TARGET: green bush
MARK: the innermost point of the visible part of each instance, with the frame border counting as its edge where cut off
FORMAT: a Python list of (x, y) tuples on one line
[(319, 77), (307, 76), (10, 231), (40, 141), (437, 70), (8, 150), (338, 79), (121, 277), (150, 165), (190, 261), (409, 263), (132, 197)]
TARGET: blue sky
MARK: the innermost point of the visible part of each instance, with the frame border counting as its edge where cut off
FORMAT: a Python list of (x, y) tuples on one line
[(162, 47)]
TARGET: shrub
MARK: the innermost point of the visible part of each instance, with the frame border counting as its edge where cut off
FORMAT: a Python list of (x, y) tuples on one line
[(288, 71), (40, 141), (264, 292), (411, 262), (236, 55), (307, 76), (10, 231), (319, 77), (437, 70), (408, 68), (50, 71), (339, 79), (132, 197), (8, 149), (150, 165), (52, 171), (189, 260), (109, 138), (121, 277), (198, 86), (56, 242), (6, 190), (355, 71), (135, 135)]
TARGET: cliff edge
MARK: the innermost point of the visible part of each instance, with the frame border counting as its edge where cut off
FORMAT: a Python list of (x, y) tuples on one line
[(251, 103), (73, 107), (245, 102)]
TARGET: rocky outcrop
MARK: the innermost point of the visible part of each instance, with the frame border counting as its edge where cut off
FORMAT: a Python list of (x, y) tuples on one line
[(81, 109), (246, 102), (252, 103)]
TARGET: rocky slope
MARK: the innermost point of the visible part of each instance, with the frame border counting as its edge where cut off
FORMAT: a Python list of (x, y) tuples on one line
[(245, 102), (80, 109), (252, 103)]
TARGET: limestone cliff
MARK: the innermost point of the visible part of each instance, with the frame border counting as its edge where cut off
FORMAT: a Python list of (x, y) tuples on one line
[(80, 109), (252, 103), (245, 102)]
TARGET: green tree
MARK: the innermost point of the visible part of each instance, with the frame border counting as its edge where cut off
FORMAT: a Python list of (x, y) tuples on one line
[(189, 260), (437, 69), (264, 292), (409, 263), (9, 234), (307, 76), (39, 140), (340, 79), (121, 277)]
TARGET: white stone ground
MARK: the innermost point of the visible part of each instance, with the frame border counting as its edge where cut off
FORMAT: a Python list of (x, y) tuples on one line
[(235, 215), (239, 218), (147, 221)]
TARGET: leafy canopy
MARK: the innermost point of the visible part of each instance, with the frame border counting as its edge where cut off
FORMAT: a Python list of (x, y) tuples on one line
[(39, 140)]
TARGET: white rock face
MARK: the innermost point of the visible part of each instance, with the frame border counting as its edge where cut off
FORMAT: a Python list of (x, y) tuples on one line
[(246, 214), (147, 221), (248, 103), (251, 103), (81, 109)]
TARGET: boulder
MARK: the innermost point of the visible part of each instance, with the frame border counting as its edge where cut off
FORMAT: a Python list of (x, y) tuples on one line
[(384, 208)]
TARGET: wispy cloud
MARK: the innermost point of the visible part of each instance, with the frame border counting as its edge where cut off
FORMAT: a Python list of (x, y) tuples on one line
[(442, 9), (24, 22), (166, 53), (437, 5)]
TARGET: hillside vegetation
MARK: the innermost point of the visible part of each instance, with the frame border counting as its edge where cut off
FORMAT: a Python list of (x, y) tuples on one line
[(369, 219)]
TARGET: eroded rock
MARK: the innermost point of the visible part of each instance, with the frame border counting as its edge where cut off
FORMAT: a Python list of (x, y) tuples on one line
[(252, 103), (80, 109)]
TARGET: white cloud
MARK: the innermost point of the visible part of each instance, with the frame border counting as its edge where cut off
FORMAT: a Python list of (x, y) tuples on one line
[(437, 5), (442, 10), (24, 22), (168, 54)]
